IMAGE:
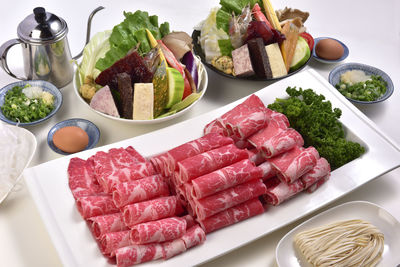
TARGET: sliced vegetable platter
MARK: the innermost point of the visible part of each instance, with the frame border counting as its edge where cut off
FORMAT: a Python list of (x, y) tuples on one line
[(248, 39), (140, 72)]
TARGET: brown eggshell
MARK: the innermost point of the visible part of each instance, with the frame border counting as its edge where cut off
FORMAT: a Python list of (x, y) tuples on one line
[(329, 49), (71, 139)]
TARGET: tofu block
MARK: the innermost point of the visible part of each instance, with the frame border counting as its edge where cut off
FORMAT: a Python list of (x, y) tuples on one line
[(143, 101), (242, 62), (259, 58), (276, 62)]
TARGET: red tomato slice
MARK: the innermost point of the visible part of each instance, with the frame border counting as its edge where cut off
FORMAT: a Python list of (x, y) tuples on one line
[(309, 39)]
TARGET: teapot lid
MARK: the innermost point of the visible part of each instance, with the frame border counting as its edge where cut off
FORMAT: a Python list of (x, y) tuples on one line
[(42, 27)]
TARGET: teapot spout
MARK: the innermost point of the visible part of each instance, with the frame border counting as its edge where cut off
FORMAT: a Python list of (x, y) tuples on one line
[(89, 26)]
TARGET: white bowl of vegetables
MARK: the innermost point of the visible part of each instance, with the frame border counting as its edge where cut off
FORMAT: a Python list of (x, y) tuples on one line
[(27, 103), (144, 75)]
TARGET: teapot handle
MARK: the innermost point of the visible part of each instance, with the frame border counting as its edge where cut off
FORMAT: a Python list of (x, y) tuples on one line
[(89, 26), (3, 56)]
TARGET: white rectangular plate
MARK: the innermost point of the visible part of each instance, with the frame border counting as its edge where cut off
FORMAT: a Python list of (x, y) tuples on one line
[(287, 255), (48, 182)]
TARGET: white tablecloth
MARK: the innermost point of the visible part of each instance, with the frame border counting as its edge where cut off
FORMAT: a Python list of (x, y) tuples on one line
[(371, 30)]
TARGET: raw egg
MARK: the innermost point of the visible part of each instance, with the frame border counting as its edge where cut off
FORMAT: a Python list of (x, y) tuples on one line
[(71, 139), (329, 49)]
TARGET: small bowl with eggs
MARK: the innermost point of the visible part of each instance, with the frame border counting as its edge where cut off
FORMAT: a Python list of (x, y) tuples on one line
[(329, 50), (73, 135), (361, 84)]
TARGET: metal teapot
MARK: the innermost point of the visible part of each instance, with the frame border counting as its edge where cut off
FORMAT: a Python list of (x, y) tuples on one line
[(45, 48)]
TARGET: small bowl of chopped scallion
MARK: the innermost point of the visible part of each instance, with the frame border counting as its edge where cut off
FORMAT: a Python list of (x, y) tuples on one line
[(29, 102), (361, 84)]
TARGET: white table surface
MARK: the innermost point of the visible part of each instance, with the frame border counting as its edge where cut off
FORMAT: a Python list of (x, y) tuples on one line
[(371, 32)]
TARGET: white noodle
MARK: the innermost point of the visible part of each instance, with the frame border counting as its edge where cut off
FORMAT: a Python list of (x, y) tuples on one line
[(345, 243)]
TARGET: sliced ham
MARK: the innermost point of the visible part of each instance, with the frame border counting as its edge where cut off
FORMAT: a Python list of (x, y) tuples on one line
[(194, 236), (151, 210), (294, 163), (107, 223), (91, 206), (158, 231), (209, 161), (114, 240), (81, 178), (140, 190), (232, 215), (103, 101), (135, 254), (320, 170), (216, 181), (228, 198), (276, 195)]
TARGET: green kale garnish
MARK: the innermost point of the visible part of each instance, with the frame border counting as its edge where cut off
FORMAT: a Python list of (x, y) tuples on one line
[(313, 117)]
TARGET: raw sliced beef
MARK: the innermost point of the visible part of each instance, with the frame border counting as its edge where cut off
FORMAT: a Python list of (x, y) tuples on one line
[(282, 142), (140, 190), (209, 161), (151, 210), (194, 236), (318, 183), (107, 223), (158, 231), (114, 240), (91, 206), (282, 192), (216, 181), (232, 215), (228, 198), (136, 155), (267, 170), (173, 248), (135, 254), (81, 178), (320, 170), (294, 163), (215, 127)]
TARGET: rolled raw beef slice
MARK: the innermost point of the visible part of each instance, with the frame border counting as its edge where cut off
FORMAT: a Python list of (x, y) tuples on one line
[(135, 154), (282, 142), (135, 254), (194, 236), (195, 147), (215, 127), (282, 192), (267, 170), (318, 183), (111, 241), (209, 161), (81, 178), (228, 198), (189, 221), (91, 206), (232, 215), (216, 181), (140, 190), (173, 248), (320, 170), (151, 210), (107, 223), (158, 231)]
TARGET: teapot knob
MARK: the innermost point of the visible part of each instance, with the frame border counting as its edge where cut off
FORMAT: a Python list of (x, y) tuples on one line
[(40, 14)]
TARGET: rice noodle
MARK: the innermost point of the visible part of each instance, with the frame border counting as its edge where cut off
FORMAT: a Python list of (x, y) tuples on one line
[(344, 243), (14, 154)]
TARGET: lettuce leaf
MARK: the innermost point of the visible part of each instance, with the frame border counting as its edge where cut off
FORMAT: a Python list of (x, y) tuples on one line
[(94, 50), (131, 33), (225, 46)]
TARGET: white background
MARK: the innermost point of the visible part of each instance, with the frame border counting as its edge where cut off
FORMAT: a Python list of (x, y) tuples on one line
[(371, 30)]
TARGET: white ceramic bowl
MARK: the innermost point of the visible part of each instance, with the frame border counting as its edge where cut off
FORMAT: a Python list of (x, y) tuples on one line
[(203, 76)]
